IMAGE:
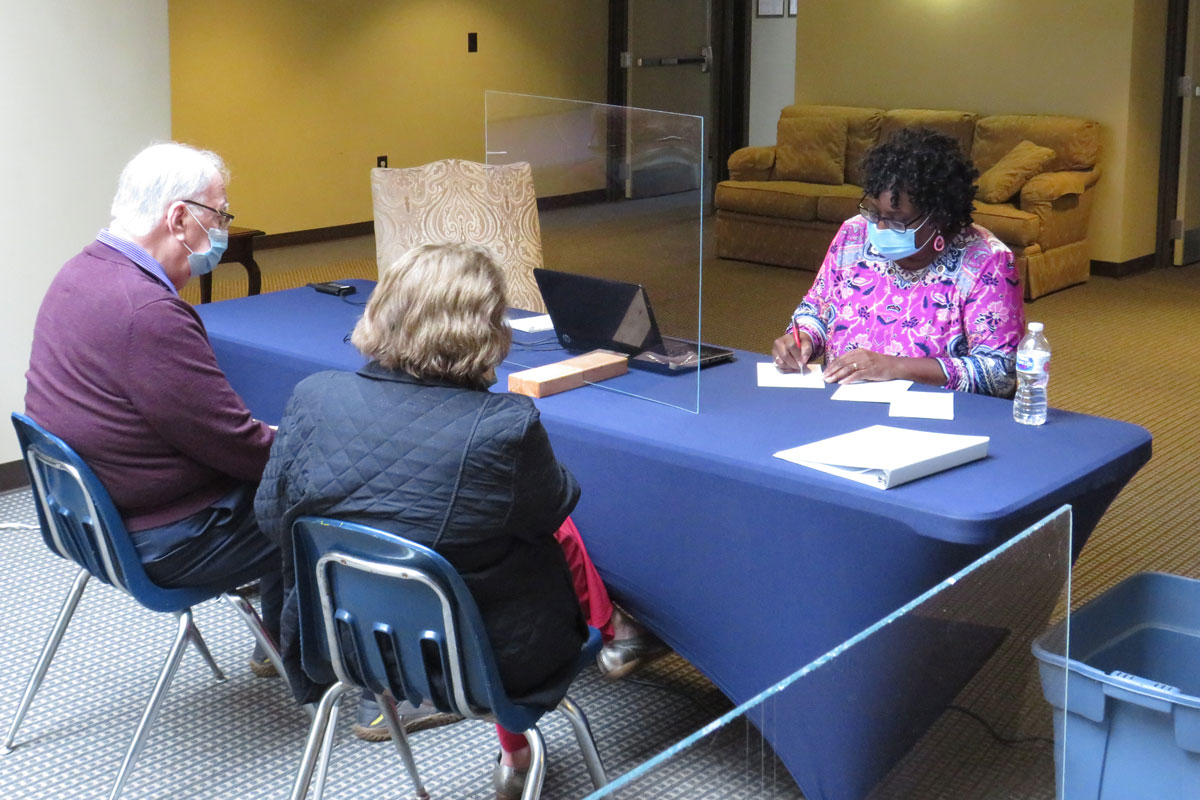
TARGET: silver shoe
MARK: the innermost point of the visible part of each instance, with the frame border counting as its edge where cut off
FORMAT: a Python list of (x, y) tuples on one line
[(509, 782), (622, 657)]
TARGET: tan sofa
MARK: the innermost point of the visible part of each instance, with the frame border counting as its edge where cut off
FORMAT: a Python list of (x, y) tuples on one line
[(783, 204)]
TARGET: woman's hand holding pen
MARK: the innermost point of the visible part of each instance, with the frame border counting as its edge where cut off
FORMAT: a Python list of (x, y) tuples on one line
[(792, 351)]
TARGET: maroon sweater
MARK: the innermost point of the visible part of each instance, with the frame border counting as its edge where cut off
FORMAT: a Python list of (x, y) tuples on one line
[(122, 370)]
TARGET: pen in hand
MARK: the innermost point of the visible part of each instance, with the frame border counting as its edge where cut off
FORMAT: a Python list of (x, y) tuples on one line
[(799, 348)]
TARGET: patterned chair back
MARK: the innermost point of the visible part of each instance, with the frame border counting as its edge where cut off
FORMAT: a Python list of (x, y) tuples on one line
[(466, 202)]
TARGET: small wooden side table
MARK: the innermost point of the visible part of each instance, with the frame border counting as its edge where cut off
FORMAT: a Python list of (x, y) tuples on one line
[(240, 250)]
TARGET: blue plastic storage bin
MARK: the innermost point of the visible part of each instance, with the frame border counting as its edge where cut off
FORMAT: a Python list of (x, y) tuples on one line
[(1133, 692)]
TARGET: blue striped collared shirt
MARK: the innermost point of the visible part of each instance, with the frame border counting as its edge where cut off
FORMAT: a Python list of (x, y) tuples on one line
[(137, 254)]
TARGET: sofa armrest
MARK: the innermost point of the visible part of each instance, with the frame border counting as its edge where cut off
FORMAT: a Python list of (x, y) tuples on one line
[(752, 163), (1062, 202), (1050, 186)]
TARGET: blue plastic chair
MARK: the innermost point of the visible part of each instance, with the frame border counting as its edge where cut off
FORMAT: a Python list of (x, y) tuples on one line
[(79, 522), (381, 613)]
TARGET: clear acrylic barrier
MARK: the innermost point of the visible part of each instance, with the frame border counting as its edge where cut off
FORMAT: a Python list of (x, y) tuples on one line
[(632, 180), (940, 699)]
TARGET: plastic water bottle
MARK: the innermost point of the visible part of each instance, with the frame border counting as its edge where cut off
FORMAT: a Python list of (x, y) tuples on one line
[(1033, 375)]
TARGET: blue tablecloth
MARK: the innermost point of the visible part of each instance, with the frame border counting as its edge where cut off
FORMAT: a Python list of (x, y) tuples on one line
[(747, 565)]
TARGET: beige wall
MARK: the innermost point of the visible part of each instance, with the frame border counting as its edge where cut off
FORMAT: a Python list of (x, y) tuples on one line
[(1100, 59), (300, 97), (86, 88)]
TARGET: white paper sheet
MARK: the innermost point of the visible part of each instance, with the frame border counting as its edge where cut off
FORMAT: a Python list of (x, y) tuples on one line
[(532, 324), (925, 405), (811, 378), (872, 391)]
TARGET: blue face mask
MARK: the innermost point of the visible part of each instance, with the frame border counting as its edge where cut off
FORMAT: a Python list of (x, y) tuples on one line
[(204, 263), (891, 244)]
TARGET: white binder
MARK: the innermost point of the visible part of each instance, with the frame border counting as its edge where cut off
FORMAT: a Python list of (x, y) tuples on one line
[(883, 456)]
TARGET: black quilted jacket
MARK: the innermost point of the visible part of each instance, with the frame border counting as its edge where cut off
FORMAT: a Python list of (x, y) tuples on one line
[(469, 473)]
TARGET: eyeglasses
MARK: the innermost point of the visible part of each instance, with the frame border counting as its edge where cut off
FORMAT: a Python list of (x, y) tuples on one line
[(897, 225), (226, 217)]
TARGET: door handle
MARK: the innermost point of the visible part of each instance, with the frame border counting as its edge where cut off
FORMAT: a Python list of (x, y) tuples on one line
[(704, 60)]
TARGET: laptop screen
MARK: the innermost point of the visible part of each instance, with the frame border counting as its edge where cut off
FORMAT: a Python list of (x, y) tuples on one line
[(590, 313)]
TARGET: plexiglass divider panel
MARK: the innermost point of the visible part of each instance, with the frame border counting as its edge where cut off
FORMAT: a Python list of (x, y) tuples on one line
[(620, 201), (943, 699)]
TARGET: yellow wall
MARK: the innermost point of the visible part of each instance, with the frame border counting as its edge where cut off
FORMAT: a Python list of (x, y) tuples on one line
[(1100, 59), (299, 97)]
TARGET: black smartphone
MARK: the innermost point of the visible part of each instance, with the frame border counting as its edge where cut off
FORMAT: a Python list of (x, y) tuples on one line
[(330, 287)]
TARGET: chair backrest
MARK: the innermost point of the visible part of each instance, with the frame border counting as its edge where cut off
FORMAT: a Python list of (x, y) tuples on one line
[(389, 615), (464, 202), (80, 522)]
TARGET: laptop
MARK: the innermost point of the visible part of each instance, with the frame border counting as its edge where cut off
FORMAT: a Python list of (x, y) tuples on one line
[(597, 313)]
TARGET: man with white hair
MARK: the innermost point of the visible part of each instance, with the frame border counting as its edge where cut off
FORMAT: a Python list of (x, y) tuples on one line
[(122, 370)]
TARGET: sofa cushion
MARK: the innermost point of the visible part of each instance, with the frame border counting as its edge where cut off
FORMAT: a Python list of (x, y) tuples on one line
[(958, 125), (862, 131), (810, 149), (783, 199), (838, 203), (1075, 142), (1006, 177), (1014, 227)]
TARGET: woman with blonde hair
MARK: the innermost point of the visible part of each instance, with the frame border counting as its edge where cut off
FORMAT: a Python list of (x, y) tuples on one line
[(414, 443)]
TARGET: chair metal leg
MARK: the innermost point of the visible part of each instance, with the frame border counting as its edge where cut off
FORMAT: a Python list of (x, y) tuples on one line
[(326, 751), (198, 640), (587, 743), (254, 622), (400, 739), (316, 737), (48, 651), (537, 764), (183, 634)]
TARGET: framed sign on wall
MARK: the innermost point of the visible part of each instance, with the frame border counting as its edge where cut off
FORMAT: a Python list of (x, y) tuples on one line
[(770, 8)]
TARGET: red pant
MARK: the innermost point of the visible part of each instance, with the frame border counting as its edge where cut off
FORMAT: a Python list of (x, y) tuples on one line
[(593, 601)]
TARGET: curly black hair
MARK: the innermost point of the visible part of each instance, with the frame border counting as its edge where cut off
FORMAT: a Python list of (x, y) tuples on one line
[(931, 167)]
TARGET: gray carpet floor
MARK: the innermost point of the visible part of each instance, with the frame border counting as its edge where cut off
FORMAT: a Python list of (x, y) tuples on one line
[(244, 738)]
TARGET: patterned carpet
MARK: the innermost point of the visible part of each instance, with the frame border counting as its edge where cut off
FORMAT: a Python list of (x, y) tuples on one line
[(1130, 349), (243, 738)]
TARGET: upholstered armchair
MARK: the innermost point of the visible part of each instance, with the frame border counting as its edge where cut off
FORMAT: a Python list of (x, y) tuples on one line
[(463, 201)]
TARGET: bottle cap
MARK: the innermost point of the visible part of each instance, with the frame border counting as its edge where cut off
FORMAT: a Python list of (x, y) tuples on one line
[(1036, 327)]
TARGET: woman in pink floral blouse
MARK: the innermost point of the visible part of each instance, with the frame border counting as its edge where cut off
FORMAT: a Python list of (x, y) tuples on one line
[(911, 288)]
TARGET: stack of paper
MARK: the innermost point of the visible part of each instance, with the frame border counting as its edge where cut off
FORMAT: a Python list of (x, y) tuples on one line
[(901, 402), (883, 456)]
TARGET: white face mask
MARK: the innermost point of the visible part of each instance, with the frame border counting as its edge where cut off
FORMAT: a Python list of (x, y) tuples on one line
[(894, 245), (204, 263)]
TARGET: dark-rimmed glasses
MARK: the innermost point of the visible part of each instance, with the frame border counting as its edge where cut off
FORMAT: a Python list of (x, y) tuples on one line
[(897, 225), (226, 217)]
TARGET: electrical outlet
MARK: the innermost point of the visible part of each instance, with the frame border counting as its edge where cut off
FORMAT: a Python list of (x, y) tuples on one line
[(381, 161)]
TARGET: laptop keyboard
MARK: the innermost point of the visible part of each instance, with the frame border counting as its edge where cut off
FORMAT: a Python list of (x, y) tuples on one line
[(676, 348)]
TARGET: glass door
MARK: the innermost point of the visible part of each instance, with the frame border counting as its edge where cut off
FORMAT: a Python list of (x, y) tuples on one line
[(668, 67)]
